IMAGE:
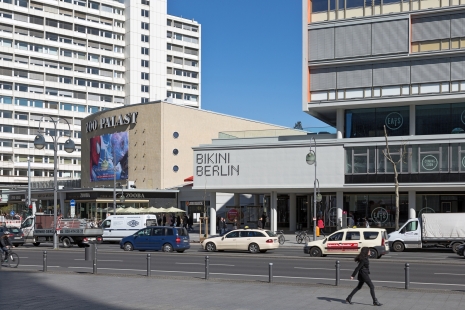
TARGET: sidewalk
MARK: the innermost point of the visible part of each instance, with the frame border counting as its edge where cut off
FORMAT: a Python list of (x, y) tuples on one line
[(56, 291)]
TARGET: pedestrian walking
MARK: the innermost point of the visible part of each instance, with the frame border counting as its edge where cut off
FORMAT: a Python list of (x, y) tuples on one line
[(185, 221), (321, 225), (190, 222), (159, 220), (235, 223), (164, 219), (363, 270), (260, 223), (264, 220), (178, 221), (223, 226)]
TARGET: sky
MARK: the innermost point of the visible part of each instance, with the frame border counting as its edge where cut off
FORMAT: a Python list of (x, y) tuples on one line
[(251, 58)]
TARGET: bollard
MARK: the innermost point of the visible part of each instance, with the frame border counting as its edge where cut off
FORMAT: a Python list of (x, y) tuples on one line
[(44, 268), (407, 276), (207, 267), (338, 269), (270, 273), (148, 266), (95, 260)]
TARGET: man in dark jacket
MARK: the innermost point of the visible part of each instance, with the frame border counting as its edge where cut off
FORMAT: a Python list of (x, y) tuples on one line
[(5, 243), (164, 219)]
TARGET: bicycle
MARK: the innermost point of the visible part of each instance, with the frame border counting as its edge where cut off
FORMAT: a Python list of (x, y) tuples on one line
[(303, 235), (281, 237), (12, 260)]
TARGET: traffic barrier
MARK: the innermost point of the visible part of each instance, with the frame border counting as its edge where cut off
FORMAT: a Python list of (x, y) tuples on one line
[(44, 268), (270, 273), (407, 276), (148, 266), (207, 267), (338, 270)]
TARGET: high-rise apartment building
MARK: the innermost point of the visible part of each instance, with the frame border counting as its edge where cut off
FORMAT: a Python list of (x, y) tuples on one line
[(66, 59)]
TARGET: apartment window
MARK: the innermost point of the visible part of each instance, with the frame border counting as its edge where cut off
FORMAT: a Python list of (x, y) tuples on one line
[(144, 100), (144, 75), (94, 5), (144, 25), (144, 13), (144, 38), (94, 58), (144, 88), (144, 50), (144, 63)]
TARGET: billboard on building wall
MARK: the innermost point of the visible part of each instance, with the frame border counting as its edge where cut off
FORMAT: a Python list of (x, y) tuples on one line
[(109, 155)]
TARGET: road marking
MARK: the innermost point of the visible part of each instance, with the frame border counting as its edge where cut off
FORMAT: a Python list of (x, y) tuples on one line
[(38, 266), (204, 264), (103, 260), (452, 274), (321, 268)]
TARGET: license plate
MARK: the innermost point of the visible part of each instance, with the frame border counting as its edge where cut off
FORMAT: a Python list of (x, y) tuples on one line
[(275, 240), (185, 240), (17, 237)]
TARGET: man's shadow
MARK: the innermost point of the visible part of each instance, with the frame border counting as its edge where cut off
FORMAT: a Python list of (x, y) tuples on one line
[(330, 299)]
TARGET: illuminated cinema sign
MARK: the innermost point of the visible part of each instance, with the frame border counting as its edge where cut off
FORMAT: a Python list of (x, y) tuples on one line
[(113, 121)]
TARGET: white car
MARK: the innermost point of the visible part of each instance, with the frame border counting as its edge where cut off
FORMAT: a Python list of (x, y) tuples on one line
[(252, 240)]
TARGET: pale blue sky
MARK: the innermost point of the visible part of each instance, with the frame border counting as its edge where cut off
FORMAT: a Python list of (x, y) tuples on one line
[(251, 58)]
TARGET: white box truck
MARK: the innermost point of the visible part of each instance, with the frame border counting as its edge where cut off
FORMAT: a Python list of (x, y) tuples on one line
[(116, 227), (445, 230)]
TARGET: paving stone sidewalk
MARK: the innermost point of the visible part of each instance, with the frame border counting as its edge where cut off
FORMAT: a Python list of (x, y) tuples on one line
[(36, 290)]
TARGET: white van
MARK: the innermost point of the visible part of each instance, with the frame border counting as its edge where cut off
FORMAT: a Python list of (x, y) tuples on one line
[(116, 227)]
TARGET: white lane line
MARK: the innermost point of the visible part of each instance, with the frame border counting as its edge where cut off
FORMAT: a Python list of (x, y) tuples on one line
[(321, 268), (204, 264), (21, 265), (22, 257), (451, 274), (103, 260)]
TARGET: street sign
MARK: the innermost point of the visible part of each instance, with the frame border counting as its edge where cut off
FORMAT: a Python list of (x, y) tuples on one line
[(72, 203), (12, 213)]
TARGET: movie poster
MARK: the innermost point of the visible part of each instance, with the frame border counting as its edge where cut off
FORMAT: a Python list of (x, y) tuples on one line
[(109, 155)]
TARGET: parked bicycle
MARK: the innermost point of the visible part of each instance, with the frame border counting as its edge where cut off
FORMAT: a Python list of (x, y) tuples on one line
[(302, 236), (12, 260), (281, 238)]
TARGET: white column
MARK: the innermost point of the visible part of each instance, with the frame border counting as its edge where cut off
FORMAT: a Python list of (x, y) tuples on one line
[(412, 202), (212, 213), (340, 207), (309, 212), (339, 123), (274, 211), (412, 120), (292, 212)]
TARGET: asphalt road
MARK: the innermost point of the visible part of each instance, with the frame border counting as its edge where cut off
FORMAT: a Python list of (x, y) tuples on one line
[(429, 269)]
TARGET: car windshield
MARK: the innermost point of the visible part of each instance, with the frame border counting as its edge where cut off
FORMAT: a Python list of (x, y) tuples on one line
[(14, 230), (270, 233)]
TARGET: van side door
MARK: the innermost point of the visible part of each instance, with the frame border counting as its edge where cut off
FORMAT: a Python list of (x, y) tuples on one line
[(106, 225), (334, 245), (142, 239), (412, 235), (157, 238), (352, 242)]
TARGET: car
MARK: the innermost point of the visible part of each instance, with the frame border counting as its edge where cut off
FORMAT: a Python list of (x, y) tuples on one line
[(252, 240), (16, 235), (157, 238), (350, 241), (460, 249)]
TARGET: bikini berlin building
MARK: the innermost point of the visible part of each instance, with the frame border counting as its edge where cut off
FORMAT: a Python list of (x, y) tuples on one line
[(367, 65)]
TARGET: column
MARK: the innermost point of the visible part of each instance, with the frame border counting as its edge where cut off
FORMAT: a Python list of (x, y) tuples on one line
[(212, 218), (309, 212), (237, 200), (412, 202), (340, 207), (256, 199), (274, 211), (292, 212), (339, 123), (412, 120)]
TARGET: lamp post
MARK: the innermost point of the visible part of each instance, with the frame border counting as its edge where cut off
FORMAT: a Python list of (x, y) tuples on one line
[(311, 159), (39, 143), (122, 199)]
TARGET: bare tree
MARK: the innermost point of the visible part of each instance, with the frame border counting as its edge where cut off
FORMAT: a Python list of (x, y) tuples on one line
[(402, 156)]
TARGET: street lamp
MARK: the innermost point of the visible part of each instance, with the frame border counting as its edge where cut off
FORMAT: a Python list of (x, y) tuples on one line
[(122, 199), (311, 159), (39, 143)]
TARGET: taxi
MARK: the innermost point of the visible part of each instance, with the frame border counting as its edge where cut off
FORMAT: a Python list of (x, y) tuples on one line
[(252, 240), (350, 241)]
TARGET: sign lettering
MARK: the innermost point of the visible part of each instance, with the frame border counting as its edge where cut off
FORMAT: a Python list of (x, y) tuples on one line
[(215, 164), (112, 121), (394, 121)]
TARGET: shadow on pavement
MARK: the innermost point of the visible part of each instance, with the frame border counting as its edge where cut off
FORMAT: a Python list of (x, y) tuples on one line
[(330, 299)]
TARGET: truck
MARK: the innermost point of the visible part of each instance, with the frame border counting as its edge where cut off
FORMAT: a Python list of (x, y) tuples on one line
[(445, 230), (40, 228), (116, 227)]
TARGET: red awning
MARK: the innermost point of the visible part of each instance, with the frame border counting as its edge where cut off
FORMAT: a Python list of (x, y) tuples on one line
[(189, 179)]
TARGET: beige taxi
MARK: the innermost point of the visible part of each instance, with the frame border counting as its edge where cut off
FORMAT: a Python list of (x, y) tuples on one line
[(351, 241), (252, 240)]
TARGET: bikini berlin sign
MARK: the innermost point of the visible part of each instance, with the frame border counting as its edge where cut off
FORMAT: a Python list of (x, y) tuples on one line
[(215, 164)]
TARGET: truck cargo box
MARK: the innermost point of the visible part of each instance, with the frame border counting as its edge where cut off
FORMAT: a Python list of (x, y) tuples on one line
[(443, 226)]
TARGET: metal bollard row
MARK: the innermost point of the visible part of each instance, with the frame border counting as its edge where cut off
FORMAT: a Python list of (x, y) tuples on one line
[(407, 276), (338, 270), (207, 267), (270, 273), (149, 269)]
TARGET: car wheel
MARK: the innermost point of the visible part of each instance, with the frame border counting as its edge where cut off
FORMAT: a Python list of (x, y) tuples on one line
[(254, 248), (167, 247), (455, 247), (180, 251), (263, 251), (398, 246), (66, 242), (315, 252), (210, 247), (373, 253), (128, 246)]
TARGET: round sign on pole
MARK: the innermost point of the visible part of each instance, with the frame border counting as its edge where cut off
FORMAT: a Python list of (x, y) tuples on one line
[(232, 214), (12, 213)]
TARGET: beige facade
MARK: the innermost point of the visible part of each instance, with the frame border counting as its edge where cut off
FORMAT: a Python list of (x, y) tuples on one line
[(151, 159)]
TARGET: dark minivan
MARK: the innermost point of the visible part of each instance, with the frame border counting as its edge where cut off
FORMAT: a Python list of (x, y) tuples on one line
[(157, 238)]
